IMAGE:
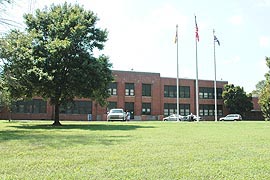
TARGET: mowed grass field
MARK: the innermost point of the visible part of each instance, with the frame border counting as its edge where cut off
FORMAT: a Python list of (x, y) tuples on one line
[(134, 150)]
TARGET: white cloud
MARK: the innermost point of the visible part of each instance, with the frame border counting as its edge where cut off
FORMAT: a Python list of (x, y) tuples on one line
[(232, 60), (236, 20), (262, 66), (139, 43), (263, 3), (264, 41), (167, 15)]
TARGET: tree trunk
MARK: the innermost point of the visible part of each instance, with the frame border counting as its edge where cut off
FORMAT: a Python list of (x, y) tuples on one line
[(56, 115)]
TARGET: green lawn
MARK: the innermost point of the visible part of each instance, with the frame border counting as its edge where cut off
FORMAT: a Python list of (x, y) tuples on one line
[(134, 150)]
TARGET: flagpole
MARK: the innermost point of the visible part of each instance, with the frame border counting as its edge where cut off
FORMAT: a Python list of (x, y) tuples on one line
[(177, 79), (215, 82), (197, 86)]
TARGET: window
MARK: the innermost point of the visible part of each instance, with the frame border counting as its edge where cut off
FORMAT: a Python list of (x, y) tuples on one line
[(219, 93), (112, 89), (204, 109), (77, 107), (146, 108), (129, 89), (184, 92), (146, 89), (209, 93), (169, 109), (171, 91), (112, 105), (209, 110), (220, 110), (184, 109), (35, 106), (206, 93)]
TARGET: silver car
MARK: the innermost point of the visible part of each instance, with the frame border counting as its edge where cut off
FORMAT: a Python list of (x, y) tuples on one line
[(231, 117), (173, 117), (116, 115)]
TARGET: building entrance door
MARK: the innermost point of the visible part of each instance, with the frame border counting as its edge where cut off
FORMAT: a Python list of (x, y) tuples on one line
[(129, 106)]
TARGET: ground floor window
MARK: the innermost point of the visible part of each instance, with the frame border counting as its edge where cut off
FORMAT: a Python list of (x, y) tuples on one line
[(111, 105), (77, 107), (209, 110), (146, 108), (170, 108), (34, 106), (184, 109)]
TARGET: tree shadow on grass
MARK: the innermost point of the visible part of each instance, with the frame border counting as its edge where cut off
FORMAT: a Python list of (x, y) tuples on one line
[(90, 127), (61, 140), (69, 134)]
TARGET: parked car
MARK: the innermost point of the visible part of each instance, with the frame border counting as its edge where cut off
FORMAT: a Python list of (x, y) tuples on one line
[(192, 117), (173, 117), (231, 117), (116, 115)]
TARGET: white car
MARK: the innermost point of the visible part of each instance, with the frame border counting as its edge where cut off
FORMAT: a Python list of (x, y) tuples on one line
[(193, 118), (116, 115), (231, 117), (173, 117)]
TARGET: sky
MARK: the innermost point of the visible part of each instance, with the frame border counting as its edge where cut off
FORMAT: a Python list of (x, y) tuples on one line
[(142, 33)]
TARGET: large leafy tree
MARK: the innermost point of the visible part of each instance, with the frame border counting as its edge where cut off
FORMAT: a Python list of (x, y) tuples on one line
[(54, 57), (6, 99), (264, 95), (264, 101), (259, 87), (236, 100)]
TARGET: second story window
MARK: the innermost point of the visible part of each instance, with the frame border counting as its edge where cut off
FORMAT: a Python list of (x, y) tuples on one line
[(146, 89), (184, 92), (171, 91), (112, 88), (219, 93), (209, 93), (129, 90), (206, 93)]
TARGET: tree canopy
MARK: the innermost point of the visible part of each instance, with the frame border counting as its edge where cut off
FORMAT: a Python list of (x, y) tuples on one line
[(53, 58), (264, 94), (236, 99), (259, 87)]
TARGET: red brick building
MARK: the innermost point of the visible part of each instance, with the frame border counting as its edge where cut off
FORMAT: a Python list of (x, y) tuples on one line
[(147, 96)]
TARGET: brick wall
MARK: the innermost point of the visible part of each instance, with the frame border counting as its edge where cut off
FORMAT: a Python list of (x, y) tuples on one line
[(157, 98)]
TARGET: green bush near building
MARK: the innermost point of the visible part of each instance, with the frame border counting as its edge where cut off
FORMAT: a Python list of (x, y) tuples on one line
[(134, 150)]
